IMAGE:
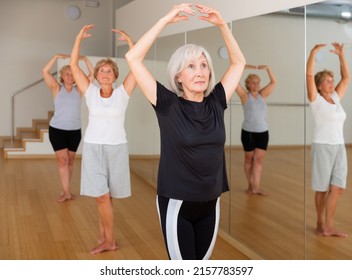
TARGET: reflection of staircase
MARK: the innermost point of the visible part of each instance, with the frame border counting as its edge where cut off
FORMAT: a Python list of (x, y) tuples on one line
[(28, 139)]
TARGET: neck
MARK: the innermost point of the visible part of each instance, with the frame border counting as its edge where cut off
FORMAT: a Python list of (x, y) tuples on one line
[(106, 91), (196, 97)]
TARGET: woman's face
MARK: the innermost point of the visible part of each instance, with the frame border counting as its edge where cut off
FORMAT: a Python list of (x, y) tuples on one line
[(327, 85), (106, 75), (195, 77), (67, 77), (253, 85)]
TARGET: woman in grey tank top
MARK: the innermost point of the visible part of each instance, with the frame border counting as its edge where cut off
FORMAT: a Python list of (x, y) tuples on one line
[(255, 135), (65, 127)]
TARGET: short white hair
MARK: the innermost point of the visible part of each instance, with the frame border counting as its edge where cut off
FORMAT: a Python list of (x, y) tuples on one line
[(179, 61)]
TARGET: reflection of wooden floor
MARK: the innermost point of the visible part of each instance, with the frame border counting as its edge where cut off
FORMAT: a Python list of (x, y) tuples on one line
[(277, 226), (34, 226)]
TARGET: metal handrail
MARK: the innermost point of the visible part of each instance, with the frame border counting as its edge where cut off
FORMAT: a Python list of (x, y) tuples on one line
[(275, 104), (13, 103)]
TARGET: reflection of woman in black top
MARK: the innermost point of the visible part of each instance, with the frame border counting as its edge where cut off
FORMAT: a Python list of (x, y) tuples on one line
[(192, 173)]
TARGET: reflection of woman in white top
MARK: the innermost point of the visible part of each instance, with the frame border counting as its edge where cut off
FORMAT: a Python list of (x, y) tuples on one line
[(255, 134), (328, 152)]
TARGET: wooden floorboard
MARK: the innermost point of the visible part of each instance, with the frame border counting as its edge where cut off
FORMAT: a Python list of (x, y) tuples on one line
[(35, 227), (279, 226)]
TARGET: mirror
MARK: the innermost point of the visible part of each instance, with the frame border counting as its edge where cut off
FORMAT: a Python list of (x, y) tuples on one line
[(325, 24), (265, 223)]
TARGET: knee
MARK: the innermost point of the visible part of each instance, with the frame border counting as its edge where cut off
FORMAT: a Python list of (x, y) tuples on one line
[(63, 161), (103, 199)]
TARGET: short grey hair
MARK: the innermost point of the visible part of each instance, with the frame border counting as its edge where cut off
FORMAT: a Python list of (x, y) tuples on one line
[(179, 61)]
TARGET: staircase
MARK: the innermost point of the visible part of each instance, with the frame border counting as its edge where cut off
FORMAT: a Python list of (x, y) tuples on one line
[(30, 142)]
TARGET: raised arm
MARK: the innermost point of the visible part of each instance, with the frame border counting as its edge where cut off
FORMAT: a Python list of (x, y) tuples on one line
[(137, 53), (81, 79), (269, 88), (129, 82), (312, 90), (90, 68), (342, 86), (49, 79), (240, 90), (234, 72)]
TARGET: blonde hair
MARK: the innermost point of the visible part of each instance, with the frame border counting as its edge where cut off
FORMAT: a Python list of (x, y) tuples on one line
[(179, 61), (106, 61), (320, 77), (249, 78), (62, 71)]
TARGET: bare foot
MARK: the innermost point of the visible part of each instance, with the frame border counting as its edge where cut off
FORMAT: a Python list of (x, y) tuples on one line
[(249, 191), (334, 233), (319, 231), (65, 197), (260, 192), (104, 247), (257, 192)]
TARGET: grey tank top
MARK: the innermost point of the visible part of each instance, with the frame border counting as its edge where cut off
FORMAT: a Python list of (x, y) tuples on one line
[(255, 114), (67, 114)]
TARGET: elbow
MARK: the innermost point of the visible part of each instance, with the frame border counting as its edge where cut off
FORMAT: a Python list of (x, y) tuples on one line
[(129, 57)]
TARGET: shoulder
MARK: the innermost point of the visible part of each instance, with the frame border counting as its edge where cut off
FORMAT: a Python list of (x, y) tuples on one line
[(120, 90), (92, 90)]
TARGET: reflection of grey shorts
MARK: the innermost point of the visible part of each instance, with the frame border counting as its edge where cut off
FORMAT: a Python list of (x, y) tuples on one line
[(105, 169), (329, 166)]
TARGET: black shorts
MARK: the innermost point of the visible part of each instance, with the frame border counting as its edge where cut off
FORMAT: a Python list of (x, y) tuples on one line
[(64, 139), (254, 140)]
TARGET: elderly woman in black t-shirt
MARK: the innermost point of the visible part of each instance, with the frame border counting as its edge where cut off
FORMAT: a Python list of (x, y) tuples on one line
[(192, 172)]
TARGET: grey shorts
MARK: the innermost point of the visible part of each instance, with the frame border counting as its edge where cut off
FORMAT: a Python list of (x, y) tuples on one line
[(329, 166), (105, 169)]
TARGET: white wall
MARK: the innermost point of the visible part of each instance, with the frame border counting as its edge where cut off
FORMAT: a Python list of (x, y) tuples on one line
[(30, 33), (230, 9)]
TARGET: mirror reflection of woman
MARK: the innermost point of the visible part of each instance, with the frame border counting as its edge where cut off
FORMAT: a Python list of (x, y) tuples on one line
[(255, 131), (65, 125), (328, 152)]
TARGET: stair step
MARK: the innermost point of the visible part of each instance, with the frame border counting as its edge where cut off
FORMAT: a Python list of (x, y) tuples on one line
[(9, 144)]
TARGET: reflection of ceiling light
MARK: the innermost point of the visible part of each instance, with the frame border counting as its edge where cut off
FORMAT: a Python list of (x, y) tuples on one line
[(346, 12)]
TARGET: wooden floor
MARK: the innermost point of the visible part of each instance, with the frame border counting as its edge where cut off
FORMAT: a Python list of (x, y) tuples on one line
[(279, 226), (35, 227)]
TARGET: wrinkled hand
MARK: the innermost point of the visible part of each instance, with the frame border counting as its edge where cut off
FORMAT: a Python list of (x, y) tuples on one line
[(174, 15), (83, 34), (249, 66), (338, 48), (123, 36), (263, 66), (212, 15), (317, 47)]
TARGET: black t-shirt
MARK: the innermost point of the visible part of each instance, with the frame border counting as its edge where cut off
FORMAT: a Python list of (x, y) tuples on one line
[(192, 160)]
